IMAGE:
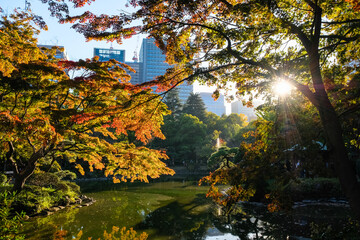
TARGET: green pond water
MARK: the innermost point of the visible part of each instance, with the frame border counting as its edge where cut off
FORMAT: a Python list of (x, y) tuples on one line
[(169, 210)]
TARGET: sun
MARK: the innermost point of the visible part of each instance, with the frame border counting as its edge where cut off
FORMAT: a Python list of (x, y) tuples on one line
[(282, 88)]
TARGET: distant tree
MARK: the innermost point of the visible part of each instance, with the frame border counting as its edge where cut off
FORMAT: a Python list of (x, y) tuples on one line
[(195, 106), (46, 113), (184, 139), (189, 138), (224, 157), (211, 120), (230, 126), (173, 102)]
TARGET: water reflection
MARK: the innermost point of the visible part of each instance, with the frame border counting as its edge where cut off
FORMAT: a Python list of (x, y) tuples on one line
[(181, 221), (255, 222), (172, 210)]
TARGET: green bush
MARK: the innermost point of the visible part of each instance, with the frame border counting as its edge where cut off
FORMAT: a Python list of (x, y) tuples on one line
[(342, 230), (62, 186), (73, 187), (65, 175), (315, 188), (3, 179), (44, 190), (43, 179), (34, 199)]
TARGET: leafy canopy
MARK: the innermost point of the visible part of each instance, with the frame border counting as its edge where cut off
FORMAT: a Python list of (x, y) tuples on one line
[(250, 42), (75, 110)]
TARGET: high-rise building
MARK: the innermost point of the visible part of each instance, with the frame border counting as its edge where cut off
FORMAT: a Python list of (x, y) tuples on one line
[(153, 60), (237, 107), (217, 107), (154, 65), (60, 51), (136, 77), (105, 54), (184, 91)]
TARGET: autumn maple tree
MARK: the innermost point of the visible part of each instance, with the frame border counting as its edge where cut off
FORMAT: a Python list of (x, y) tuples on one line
[(73, 110)]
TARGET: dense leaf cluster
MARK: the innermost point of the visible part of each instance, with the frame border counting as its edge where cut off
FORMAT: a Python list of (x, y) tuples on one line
[(69, 111)]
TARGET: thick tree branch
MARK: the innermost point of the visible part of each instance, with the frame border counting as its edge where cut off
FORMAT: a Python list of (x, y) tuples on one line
[(342, 22), (317, 24), (15, 102), (311, 4), (349, 111), (305, 90), (299, 33)]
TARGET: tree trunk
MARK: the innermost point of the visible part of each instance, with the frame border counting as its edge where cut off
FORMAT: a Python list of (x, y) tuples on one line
[(345, 169), (22, 176), (19, 183)]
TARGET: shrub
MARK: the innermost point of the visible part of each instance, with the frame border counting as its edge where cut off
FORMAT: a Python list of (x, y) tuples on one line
[(73, 187), (34, 199), (349, 229), (315, 188), (9, 224), (3, 179), (43, 179), (66, 175), (62, 186)]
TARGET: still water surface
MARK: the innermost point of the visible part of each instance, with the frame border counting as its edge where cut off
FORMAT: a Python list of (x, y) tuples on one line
[(165, 210)]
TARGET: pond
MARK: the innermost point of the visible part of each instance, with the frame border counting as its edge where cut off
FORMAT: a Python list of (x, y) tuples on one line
[(171, 210)]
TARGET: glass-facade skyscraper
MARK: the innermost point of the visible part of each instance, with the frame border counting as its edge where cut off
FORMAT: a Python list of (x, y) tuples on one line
[(136, 77), (105, 54), (152, 59), (152, 64), (217, 107)]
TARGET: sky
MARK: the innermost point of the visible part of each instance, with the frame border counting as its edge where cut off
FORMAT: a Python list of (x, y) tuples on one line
[(63, 35)]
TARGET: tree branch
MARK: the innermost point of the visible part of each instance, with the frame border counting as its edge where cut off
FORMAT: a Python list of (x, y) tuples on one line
[(31, 145), (349, 111), (304, 89), (342, 22), (317, 22), (9, 156), (15, 104)]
